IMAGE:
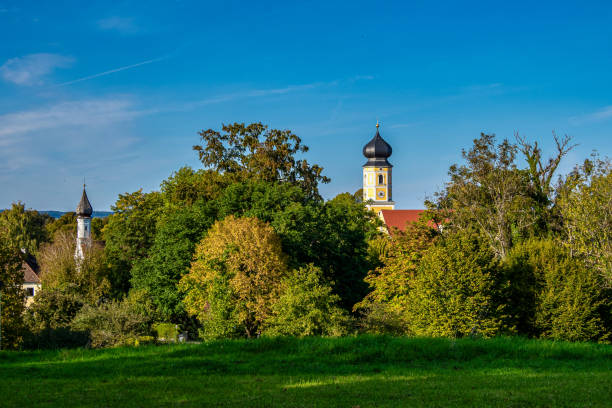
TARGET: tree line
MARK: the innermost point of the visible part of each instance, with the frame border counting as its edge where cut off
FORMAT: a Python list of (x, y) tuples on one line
[(246, 246)]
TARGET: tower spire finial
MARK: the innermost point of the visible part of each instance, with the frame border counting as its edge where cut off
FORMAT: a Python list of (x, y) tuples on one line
[(377, 123)]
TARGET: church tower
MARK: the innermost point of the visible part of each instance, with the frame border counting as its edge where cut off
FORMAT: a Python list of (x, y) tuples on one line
[(377, 192), (83, 213)]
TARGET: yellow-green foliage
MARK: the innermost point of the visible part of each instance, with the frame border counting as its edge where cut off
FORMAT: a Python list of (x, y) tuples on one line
[(166, 331), (570, 301), (89, 280), (12, 296), (384, 308), (235, 277), (454, 290), (307, 307), (585, 202), (114, 323)]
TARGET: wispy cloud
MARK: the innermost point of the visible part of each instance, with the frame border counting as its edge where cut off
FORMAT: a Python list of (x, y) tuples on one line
[(101, 111), (361, 78), (245, 95), (112, 71), (482, 87), (33, 68), (599, 115), (123, 25), (75, 113)]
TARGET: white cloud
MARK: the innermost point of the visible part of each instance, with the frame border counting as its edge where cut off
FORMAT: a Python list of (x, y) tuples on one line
[(597, 116), (31, 69), (255, 93), (123, 25), (76, 113)]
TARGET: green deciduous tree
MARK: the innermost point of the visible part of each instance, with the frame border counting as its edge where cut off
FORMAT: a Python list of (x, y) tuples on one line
[(489, 193), (187, 186), (585, 202), (385, 306), (67, 223), (169, 259), (12, 295), (24, 228), (332, 235), (503, 202), (255, 152), (238, 266), (129, 234)]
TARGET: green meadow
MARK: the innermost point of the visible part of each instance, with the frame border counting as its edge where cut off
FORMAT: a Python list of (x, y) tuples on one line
[(362, 371)]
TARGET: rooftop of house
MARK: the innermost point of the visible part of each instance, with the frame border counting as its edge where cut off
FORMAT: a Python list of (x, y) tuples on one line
[(399, 218), (31, 270)]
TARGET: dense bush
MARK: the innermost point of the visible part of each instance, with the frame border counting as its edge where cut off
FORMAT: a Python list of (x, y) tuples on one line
[(166, 331), (566, 300), (455, 290), (53, 309), (114, 323), (307, 307)]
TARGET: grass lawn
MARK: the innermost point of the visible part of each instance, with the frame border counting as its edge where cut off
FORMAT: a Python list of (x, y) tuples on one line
[(348, 372)]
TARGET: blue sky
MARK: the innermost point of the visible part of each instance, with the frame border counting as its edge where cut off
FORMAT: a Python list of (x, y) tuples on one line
[(117, 93)]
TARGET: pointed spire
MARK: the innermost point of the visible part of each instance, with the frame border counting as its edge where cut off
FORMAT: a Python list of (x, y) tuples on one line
[(84, 208)]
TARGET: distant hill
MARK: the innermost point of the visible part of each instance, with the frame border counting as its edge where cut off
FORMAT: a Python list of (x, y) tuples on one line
[(57, 214), (96, 214)]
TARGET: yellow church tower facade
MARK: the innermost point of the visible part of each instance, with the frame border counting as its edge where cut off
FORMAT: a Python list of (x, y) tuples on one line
[(377, 175)]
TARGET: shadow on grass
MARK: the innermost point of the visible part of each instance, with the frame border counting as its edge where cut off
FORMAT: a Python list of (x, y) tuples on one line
[(392, 387)]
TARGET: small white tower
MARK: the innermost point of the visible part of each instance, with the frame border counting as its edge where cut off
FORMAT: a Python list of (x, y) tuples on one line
[(83, 213)]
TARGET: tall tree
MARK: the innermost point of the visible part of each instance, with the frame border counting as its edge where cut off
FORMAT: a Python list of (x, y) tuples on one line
[(12, 296), (25, 228), (490, 193), (187, 186), (585, 202), (129, 234), (178, 232), (255, 152), (235, 277), (541, 173)]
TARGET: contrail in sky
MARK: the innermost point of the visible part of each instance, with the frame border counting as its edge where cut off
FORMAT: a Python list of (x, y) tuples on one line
[(112, 71)]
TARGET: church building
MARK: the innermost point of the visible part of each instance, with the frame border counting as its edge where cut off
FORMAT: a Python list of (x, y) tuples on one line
[(83, 213), (378, 183), (31, 270)]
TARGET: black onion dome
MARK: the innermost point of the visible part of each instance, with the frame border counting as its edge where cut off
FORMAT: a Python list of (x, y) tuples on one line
[(377, 151), (84, 208)]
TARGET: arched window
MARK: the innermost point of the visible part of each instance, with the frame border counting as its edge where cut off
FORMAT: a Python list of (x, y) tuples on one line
[(380, 179)]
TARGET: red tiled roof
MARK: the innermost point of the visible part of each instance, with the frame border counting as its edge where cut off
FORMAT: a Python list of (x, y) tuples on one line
[(399, 218)]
